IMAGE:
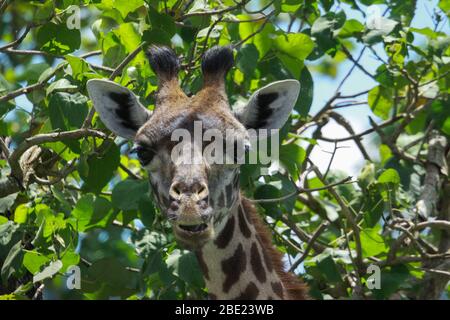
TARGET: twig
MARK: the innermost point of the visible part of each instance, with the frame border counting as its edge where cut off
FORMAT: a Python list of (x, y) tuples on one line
[(302, 190), (14, 159), (316, 245), (351, 70), (261, 27), (4, 148), (212, 12), (127, 60), (38, 292), (129, 172), (349, 216), (347, 126), (16, 42), (310, 243), (349, 55)]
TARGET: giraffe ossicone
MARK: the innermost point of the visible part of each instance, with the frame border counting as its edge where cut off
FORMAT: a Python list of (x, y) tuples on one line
[(202, 198)]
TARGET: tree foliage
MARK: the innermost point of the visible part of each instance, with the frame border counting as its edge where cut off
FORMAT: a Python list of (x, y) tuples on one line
[(72, 194)]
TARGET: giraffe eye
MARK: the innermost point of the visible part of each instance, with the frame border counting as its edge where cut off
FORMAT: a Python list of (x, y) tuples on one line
[(144, 154)]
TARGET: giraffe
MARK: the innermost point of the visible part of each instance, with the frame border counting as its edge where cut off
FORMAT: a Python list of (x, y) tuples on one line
[(203, 201)]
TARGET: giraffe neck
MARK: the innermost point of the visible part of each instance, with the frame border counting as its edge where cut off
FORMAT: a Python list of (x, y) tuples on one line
[(241, 263)]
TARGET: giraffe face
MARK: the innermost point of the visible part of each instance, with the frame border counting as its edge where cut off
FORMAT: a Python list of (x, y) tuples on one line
[(195, 193)]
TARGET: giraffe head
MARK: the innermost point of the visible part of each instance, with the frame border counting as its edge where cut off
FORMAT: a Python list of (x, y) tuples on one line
[(194, 193)]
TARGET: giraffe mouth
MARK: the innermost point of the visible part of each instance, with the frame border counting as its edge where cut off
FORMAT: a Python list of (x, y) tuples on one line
[(196, 228)]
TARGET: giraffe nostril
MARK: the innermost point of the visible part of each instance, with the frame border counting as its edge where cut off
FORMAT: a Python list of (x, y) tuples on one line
[(174, 206)]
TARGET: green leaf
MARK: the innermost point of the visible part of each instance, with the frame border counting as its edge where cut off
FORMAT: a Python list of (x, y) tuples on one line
[(295, 45), (126, 6), (69, 259), (102, 214), (268, 191), (34, 260), (53, 223), (324, 30), (328, 268), (78, 66), (374, 204), (306, 94), (186, 266), (3, 220), (380, 100), (49, 271), (147, 211), (130, 39), (82, 213), (385, 153), (13, 262), (372, 242), (367, 175), (156, 36), (7, 202), (117, 276), (7, 230), (162, 21), (67, 111), (391, 281), (262, 40), (389, 176), (292, 157), (126, 194), (101, 167), (61, 85), (351, 28), (247, 59), (21, 213), (57, 39)]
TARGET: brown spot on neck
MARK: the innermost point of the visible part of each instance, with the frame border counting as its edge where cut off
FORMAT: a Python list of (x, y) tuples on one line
[(245, 230), (250, 292), (224, 238), (257, 267), (277, 288), (294, 288), (233, 267)]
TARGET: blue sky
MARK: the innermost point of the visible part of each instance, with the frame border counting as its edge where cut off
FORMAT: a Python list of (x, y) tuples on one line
[(350, 160)]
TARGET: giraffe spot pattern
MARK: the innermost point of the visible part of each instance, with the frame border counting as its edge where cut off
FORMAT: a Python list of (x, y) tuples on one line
[(224, 238), (212, 296), (229, 194), (222, 200), (233, 267), (257, 266), (267, 260), (277, 288), (245, 230), (250, 292)]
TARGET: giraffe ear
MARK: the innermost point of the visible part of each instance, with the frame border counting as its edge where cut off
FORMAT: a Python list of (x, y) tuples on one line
[(118, 107), (270, 106)]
